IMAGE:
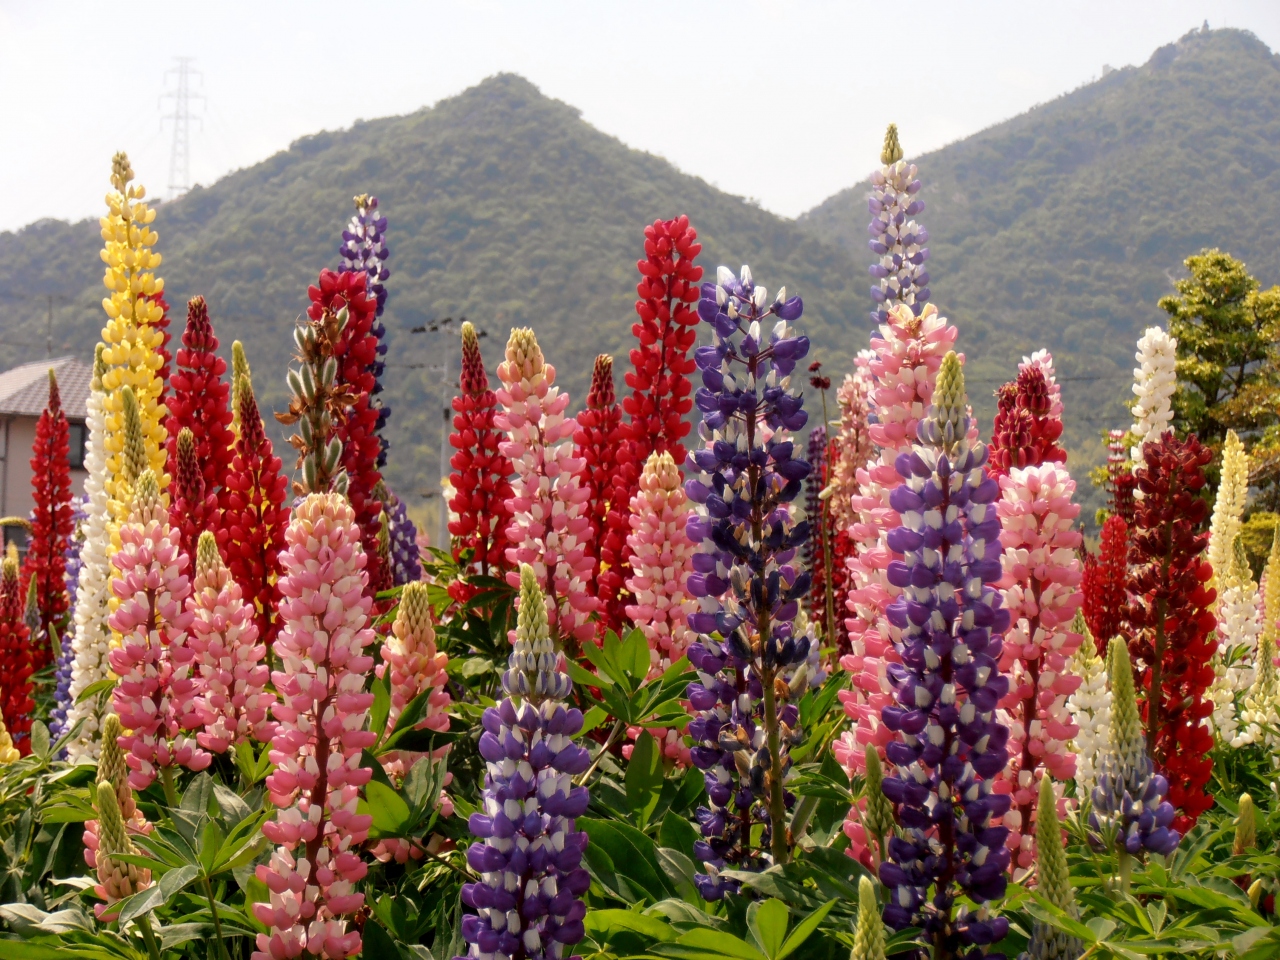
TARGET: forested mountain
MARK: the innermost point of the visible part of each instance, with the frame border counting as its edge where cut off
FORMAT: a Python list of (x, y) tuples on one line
[(1063, 227), (1059, 228), (504, 207)]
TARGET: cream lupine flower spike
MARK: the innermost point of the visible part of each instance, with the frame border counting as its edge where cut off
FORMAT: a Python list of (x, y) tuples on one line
[(1155, 380), (1228, 509), (92, 637), (131, 339)]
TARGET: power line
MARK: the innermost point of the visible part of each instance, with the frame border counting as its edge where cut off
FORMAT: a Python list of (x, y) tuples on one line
[(180, 151)]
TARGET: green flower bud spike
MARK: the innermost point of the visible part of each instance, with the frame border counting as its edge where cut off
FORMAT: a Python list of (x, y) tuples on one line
[(1246, 827), (1053, 883), (868, 937), (134, 457), (1127, 738), (877, 820), (111, 766), (891, 152), (947, 420), (208, 559)]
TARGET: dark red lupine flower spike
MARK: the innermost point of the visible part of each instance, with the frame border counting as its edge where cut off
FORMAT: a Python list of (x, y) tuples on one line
[(254, 515), (198, 401), (357, 353), (1028, 419), (51, 524), (1170, 619), (1104, 582), (481, 474), (193, 507), (596, 442)]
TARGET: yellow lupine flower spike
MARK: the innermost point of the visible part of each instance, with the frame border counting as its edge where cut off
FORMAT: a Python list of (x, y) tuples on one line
[(131, 340)]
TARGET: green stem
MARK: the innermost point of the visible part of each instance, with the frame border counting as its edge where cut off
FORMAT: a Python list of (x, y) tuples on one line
[(153, 948), (217, 923), (1125, 871), (170, 791), (777, 803), (604, 748)]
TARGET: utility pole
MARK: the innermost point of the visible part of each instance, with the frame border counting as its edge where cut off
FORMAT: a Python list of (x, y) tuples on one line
[(180, 152)]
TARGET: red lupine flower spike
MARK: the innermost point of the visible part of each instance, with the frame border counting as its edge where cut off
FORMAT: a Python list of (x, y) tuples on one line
[(481, 473), (1104, 583), (1170, 618), (51, 524), (254, 516), (15, 655), (661, 393), (596, 443)]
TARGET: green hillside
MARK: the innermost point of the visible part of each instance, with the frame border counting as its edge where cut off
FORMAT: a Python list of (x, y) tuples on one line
[(1063, 227), (504, 206), (1060, 228)]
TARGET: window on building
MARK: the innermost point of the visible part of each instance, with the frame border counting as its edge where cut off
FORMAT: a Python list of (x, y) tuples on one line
[(18, 537), (77, 435)]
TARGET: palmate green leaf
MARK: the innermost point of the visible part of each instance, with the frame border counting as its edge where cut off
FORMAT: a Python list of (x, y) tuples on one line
[(592, 719), (601, 924), (580, 676), (54, 948), (93, 689), (767, 923), (391, 815), (644, 778), (175, 935), (703, 944), (381, 708), (634, 657), (804, 929), (634, 855)]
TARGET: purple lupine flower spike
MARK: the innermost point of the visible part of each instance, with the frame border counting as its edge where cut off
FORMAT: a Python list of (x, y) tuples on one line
[(813, 490), (62, 675), (948, 745), (1129, 805), (896, 238), (364, 248), (406, 558), (528, 901), (746, 578)]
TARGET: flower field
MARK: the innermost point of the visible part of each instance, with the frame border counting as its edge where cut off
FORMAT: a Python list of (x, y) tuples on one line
[(739, 660)]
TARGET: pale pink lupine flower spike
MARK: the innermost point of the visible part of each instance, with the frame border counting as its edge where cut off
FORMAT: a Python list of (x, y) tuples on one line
[(549, 525), (322, 714), (155, 693), (231, 704)]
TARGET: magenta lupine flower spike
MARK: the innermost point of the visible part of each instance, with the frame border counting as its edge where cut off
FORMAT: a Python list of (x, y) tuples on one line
[(153, 660), (322, 714), (227, 658), (948, 745), (527, 901), (1042, 594), (906, 356), (661, 557), (549, 526)]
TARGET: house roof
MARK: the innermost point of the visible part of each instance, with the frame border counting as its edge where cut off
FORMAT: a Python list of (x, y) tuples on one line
[(24, 390)]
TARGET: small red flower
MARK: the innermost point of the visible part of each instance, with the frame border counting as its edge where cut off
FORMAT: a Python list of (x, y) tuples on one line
[(15, 658)]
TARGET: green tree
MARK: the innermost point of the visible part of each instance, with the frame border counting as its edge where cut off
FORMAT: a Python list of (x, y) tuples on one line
[(1225, 327)]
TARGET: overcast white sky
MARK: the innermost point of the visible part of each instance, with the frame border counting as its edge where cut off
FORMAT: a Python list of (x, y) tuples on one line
[(785, 102)]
